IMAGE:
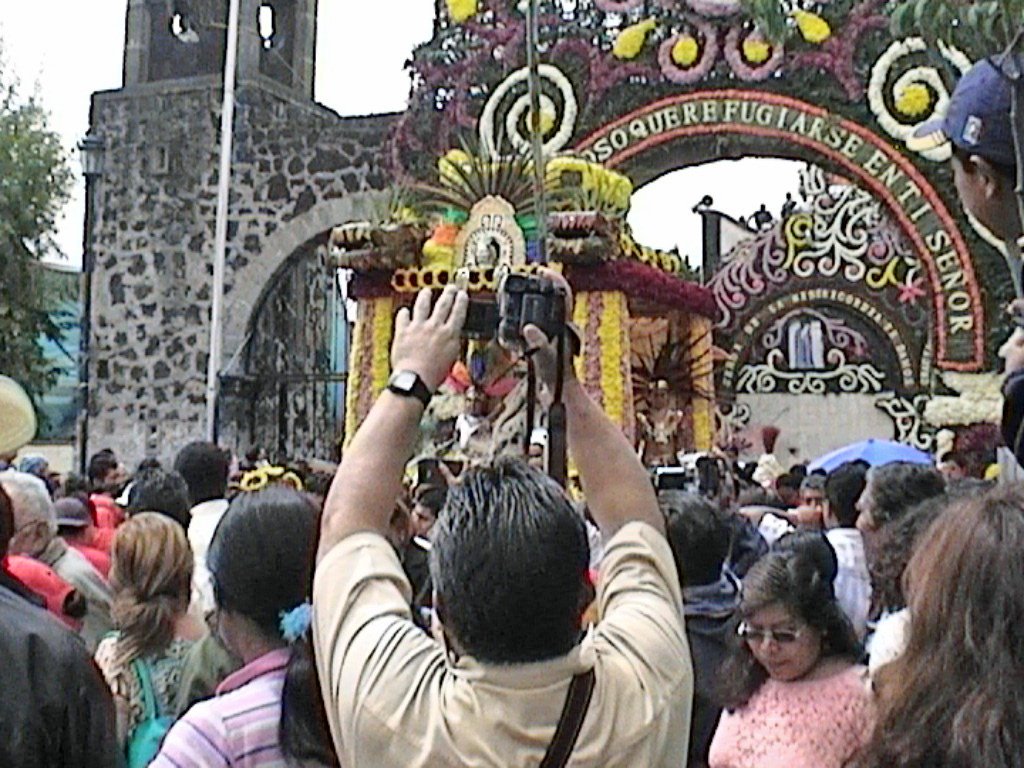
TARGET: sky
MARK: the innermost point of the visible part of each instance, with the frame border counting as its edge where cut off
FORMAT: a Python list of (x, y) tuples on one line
[(69, 60)]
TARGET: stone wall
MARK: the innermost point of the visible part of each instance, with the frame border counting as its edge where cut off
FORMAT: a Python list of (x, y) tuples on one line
[(298, 170)]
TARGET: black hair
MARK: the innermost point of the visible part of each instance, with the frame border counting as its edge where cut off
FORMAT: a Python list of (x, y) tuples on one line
[(318, 483), (6, 522), (99, 466), (432, 497), (262, 559), (843, 487), (1008, 172), (792, 578), (205, 468), (790, 480), (814, 546), (154, 490), (149, 462), (698, 535), (508, 561), (898, 486)]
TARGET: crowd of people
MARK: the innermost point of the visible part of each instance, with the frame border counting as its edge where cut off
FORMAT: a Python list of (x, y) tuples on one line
[(230, 613)]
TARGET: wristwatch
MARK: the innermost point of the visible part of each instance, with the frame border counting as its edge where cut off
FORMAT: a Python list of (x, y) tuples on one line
[(409, 384)]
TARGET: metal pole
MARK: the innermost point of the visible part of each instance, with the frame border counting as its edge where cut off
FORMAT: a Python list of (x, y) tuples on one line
[(1013, 244), (85, 292), (227, 120), (536, 140)]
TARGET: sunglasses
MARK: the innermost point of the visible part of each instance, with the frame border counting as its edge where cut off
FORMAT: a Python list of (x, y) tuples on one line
[(758, 636)]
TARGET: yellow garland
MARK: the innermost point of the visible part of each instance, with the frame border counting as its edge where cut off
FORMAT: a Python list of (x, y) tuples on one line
[(914, 100), (462, 10), (631, 40), (613, 319), (580, 317), (756, 51), (355, 372), (383, 322), (258, 479), (813, 28), (685, 51), (610, 186), (704, 382)]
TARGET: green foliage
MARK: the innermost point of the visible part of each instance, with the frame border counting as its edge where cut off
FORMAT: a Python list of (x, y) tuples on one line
[(34, 182), (979, 28)]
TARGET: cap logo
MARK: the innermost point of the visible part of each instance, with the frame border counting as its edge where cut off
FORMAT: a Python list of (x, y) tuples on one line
[(972, 130)]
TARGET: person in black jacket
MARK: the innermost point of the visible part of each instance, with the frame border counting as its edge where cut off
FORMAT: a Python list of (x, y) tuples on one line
[(700, 536), (56, 710)]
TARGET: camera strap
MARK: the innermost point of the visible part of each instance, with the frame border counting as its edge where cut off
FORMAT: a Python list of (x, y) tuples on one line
[(567, 732)]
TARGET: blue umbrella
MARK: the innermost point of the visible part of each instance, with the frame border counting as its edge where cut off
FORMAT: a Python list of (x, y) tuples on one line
[(874, 452)]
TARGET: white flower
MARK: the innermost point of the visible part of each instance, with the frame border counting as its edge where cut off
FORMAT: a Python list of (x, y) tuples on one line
[(559, 138)]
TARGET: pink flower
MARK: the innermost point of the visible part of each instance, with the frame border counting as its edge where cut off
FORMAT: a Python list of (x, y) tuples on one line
[(707, 35)]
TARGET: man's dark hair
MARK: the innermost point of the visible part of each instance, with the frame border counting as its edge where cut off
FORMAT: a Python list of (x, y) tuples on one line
[(898, 486), (432, 497), (205, 468), (699, 537), (508, 561), (790, 480), (100, 465), (154, 490), (843, 487), (6, 522), (1008, 172)]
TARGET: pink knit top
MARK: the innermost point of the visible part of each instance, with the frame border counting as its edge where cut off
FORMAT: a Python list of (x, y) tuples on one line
[(803, 724)]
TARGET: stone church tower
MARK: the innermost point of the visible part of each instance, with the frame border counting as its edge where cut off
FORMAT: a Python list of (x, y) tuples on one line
[(297, 170)]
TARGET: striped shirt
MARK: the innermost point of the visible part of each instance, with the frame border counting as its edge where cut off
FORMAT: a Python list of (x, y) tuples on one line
[(238, 727)]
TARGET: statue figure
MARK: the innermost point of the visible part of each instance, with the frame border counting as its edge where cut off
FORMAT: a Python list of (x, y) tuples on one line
[(659, 428)]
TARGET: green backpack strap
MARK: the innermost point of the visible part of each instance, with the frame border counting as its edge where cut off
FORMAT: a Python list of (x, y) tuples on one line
[(150, 711)]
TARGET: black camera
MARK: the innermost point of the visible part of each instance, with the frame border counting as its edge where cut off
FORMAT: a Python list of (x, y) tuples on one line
[(522, 300), (529, 300)]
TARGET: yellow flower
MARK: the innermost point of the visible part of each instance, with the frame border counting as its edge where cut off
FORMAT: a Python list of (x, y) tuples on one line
[(756, 50), (446, 166), (813, 28), (631, 40), (461, 10), (685, 51), (914, 100), (547, 120)]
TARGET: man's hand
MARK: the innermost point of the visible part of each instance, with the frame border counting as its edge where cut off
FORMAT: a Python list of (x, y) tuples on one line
[(369, 480), (427, 341), (542, 348)]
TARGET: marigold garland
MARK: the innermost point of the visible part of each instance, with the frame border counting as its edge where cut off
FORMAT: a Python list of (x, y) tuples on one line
[(703, 382), (756, 49), (685, 51), (613, 318), (681, 74), (813, 28), (630, 41), (383, 323)]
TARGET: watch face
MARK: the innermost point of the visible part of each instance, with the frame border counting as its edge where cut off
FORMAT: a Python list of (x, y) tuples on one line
[(404, 381)]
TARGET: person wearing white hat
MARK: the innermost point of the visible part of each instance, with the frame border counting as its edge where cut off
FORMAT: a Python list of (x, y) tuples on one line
[(17, 420)]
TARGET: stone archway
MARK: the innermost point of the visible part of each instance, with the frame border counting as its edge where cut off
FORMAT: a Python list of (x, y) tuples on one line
[(674, 132), (253, 283)]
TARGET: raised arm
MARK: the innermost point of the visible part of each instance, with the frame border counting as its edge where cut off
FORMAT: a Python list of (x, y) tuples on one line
[(615, 483), (362, 496)]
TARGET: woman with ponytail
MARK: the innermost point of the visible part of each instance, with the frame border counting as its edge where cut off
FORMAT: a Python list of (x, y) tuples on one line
[(269, 712), (792, 691), (151, 575)]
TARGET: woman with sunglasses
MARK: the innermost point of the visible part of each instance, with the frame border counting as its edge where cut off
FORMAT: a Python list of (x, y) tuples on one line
[(793, 694)]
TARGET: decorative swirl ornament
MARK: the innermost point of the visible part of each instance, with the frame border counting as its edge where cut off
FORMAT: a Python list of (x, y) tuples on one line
[(516, 115), (740, 42), (849, 378), (706, 40), (906, 91)]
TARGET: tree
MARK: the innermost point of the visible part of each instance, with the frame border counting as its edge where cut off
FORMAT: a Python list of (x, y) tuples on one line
[(34, 185)]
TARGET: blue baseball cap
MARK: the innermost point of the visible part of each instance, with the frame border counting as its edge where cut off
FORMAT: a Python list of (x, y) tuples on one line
[(977, 119)]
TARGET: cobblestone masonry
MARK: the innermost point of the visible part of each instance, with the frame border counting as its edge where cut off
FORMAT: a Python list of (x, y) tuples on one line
[(298, 170)]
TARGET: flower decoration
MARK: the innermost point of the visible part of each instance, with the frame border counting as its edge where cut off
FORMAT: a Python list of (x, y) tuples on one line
[(715, 8), (685, 51), (461, 11), (913, 100), (813, 28), (910, 90), (258, 479), (704, 38), (439, 250), (911, 291), (741, 56), (556, 137), (630, 41), (295, 623), (756, 49), (617, 6), (613, 189)]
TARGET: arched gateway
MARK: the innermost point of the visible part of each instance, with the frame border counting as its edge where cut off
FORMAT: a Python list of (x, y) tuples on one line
[(861, 305)]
